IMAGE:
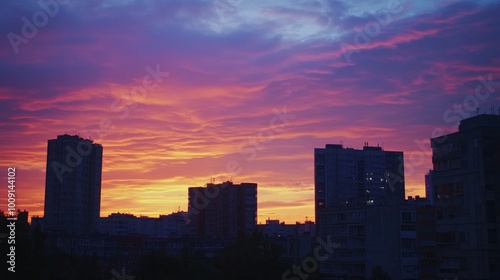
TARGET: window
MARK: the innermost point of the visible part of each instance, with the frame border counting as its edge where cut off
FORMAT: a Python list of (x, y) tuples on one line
[(458, 190), (492, 236), (445, 237), (479, 236), (407, 217), (490, 211), (409, 255), (408, 228), (464, 237), (428, 255), (409, 268), (408, 244)]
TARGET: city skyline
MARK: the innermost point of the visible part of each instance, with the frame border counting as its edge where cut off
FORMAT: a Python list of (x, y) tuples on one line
[(363, 215), (181, 93)]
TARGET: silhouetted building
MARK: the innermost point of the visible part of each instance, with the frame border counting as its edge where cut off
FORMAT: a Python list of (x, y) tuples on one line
[(22, 216), (165, 226), (72, 186), (222, 210), (348, 176), (359, 204), (466, 193), (273, 228), (37, 221), (429, 192), (295, 239), (426, 238)]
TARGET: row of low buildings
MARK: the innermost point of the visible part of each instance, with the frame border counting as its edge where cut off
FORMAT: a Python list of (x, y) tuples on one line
[(119, 224), (125, 248), (217, 215), (360, 205), (73, 199)]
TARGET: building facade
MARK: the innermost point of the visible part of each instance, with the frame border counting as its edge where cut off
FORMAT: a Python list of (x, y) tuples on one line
[(360, 205), (223, 210), (165, 226), (426, 238), (345, 176), (466, 194), (429, 187), (72, 186), (295, 239)]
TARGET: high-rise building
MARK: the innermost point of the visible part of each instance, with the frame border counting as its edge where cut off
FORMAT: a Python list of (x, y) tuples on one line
[(426, 238), (466, 194), (368, 176), (346, 176), (72, 186), (222, 210), (428, 187), (360, 205)]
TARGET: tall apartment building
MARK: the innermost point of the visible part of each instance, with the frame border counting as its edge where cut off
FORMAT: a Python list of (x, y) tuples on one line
[(360, 205), (348, 176), (466, 194), (222, 210), (428, 187), (426, 237), (72, 186)]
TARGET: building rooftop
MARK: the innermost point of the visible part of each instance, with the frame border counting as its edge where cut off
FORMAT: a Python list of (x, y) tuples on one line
[(480, 121)]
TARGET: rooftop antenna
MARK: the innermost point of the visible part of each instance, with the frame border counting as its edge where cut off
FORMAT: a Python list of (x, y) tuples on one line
[(477, 111)]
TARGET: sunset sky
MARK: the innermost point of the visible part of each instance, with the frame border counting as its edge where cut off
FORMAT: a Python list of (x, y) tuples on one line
[(181, 91)]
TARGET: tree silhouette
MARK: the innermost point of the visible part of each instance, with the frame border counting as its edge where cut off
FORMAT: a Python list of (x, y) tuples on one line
[(379, 274), (252, 258)]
